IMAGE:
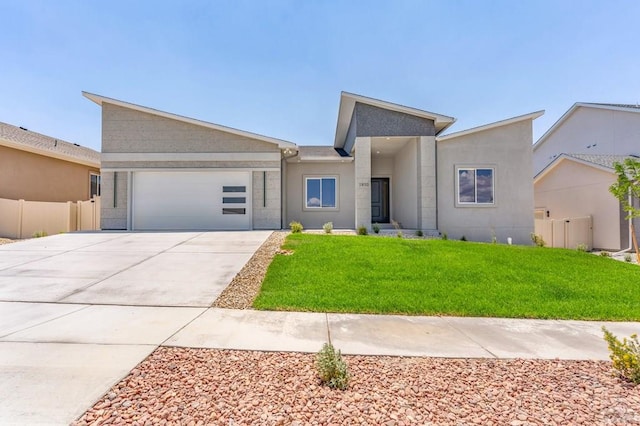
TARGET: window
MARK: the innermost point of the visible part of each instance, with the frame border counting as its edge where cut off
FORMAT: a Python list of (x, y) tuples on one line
[(475, 186), (234, 189), (320, 193), (94, 185)]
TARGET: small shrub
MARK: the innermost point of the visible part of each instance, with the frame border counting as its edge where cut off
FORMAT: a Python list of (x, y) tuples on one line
[(538, 240), (332, 370), (463, 238), (605, 254), (399, 234), (40, 234), (376, 228), (362, 230), (444, 236), (625, 355), (494, 237), (627, 258), (328, 227), (581, 247), (419, 233), (296, 227)]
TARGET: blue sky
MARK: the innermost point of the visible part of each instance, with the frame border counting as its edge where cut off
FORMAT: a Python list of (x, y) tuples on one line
[(277, 67)]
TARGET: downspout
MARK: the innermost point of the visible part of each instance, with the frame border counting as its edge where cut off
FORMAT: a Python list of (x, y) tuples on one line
[(283, 184), (630, 230)]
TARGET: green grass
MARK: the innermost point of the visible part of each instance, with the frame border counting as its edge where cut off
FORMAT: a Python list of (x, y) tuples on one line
[(358, 274)]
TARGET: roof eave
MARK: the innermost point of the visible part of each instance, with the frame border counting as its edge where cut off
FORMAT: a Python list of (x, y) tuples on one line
[(562, 157), (47, 153), (99, 99)]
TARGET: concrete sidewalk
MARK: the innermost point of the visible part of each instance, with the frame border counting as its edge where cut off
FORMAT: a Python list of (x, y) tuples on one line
[(451, 337)]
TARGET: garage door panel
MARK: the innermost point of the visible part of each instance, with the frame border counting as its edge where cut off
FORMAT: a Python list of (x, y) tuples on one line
[(190, 200)]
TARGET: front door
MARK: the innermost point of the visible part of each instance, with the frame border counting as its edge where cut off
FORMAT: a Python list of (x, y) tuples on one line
[(379, 200)]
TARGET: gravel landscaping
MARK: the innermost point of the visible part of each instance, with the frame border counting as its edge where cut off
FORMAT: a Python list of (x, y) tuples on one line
[(204, 386), (5, 241)]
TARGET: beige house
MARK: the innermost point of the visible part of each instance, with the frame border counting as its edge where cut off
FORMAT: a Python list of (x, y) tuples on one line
[(574, 167), (388, 163), (36, 167)]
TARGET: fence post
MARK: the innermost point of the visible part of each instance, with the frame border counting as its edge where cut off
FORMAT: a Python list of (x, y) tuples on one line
[(20, 212)]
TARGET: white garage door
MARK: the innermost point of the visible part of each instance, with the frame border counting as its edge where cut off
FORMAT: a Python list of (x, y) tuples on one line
[(191, 200)]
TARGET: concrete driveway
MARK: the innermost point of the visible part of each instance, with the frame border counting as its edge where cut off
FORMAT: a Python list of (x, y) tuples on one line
[(79, 311)]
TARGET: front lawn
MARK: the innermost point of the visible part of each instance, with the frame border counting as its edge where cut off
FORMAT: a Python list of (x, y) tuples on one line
[(366, 274)]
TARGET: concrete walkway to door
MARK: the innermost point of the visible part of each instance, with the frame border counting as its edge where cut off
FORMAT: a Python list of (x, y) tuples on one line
[(79, 311)]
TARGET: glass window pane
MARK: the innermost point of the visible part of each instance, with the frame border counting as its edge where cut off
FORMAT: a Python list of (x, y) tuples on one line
[(328, 192), (485, 185), (234, 200), (466, 186), (234, 189), (313, 192)]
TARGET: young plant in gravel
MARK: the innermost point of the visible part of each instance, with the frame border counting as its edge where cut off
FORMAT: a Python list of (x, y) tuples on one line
[(625, 355), (332, 369)]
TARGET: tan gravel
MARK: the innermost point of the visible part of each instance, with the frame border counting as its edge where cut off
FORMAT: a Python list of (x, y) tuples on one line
[(244, 287), (206, 386), (5, 241)]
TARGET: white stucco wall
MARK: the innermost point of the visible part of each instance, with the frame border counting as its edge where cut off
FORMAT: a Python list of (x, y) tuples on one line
[(404, 186), (591, 131), (508, 150), (572, 189)]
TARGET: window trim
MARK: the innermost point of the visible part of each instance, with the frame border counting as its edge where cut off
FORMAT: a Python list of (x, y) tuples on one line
[(459, 203), (306, 178)]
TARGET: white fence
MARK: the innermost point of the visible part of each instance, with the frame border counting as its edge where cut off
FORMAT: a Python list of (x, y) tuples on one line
[(23, 219), (566, 233)]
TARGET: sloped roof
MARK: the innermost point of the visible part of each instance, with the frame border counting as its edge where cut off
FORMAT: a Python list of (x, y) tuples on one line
[(530, 116), (26, 140), (98, 99), (603, 162), (574, 107), (348, 102)]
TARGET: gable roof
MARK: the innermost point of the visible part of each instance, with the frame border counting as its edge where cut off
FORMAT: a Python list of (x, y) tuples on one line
[(98, 99), (26, 140), (530, 116), (574, 108), (348, 102), (603, 162)]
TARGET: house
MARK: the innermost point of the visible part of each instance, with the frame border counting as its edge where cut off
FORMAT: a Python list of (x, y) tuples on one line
[(388, 163), (36, 167), (574, 168)]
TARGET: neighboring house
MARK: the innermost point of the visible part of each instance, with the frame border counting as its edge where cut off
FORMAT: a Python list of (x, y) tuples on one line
[(388, 163), (36, 167), (573, 164)]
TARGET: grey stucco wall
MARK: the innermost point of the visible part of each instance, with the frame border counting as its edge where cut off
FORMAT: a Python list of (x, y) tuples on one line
[(266, 209), (508, 150), (404, 186), (113, 210), (127, 130), (374, 121), (314, 219)]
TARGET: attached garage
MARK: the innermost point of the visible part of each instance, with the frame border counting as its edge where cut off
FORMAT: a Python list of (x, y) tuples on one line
[(191, 200)]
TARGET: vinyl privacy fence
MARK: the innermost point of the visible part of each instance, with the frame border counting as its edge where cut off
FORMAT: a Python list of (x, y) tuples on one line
[(24, 219), (566, 233)]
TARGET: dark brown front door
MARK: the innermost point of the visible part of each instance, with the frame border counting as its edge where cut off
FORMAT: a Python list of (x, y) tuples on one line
[(379, 200)]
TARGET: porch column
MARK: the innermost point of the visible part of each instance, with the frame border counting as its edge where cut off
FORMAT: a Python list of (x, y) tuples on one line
[(427, 202), (363, 182)]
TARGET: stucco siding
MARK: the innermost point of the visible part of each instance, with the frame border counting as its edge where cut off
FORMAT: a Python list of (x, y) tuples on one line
[(266, 200), (32, 177), (507, 149), (188, 164), (114, 200), (127, 130), (571, 190), (591, 131), (343, 217), (404, 186), (375, 121)]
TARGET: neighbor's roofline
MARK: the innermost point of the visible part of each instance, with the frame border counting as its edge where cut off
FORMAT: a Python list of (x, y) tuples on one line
[(570, 112), (48, 153), (556, 161), (98, 99), (347, 104), (530, 116)]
